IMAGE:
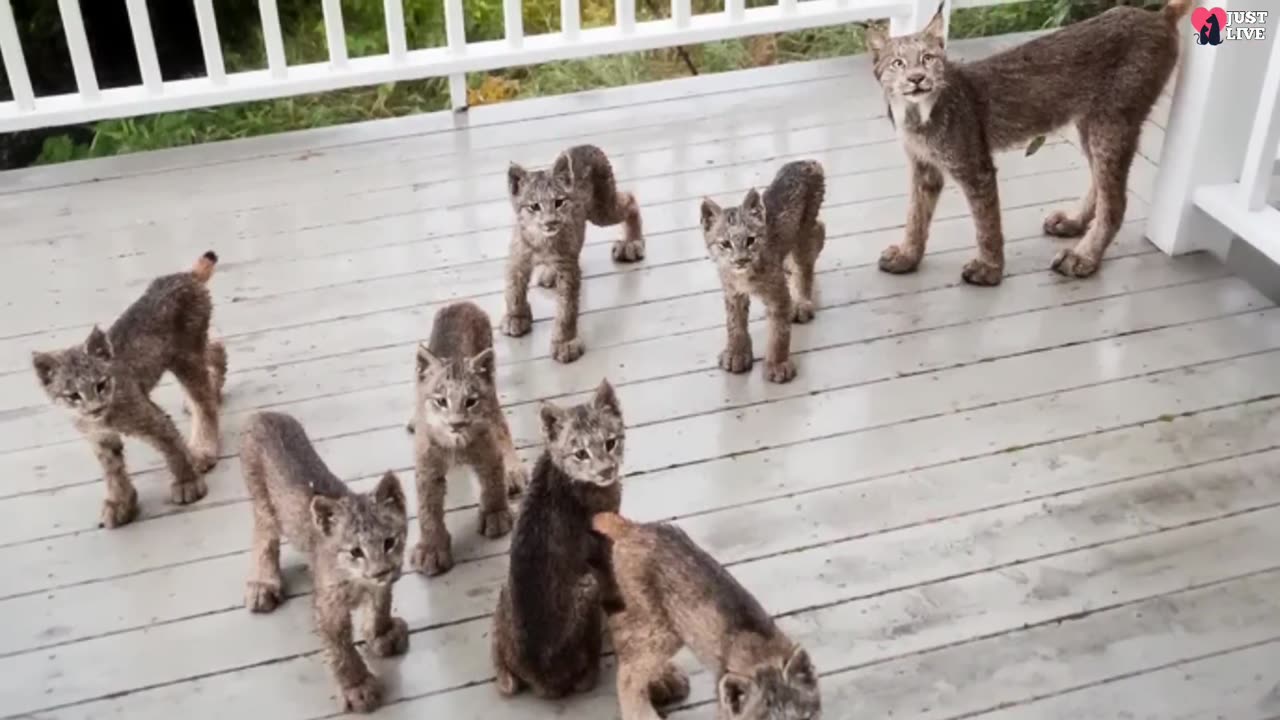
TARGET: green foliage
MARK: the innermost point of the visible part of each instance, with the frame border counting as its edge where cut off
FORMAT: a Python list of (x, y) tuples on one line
[(424, 24)]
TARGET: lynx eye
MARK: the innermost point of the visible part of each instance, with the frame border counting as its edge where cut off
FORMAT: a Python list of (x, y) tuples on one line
[(102, 386), (582, 455), (535, 207), (357, 554), (751, 240), (441, 402), (471, 402), (73, 397), (898, 64), (726, 244), (610, 444), (559, 203), (389, 544), (928, 57)]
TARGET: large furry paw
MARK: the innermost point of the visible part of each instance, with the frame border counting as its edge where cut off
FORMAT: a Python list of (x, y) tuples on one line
[(517, 325), (395, 641), (1072, 264), (981, 272), (432, 561), (185, 493), (779, 372), (898, 261), (628, 250), (566, 351), (203, 459), (121, 511), (803, 311), (1060, 224), (736, 359), (262, 597), (495, 523), (363, 697), (517, 478), (671, 687), (546, 277)]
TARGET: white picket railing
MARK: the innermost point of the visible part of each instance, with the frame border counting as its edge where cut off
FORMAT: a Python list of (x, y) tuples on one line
[(1221, 146), (453, 60)]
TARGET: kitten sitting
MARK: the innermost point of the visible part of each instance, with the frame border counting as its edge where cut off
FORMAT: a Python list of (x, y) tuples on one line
[(548, 626), (458, 421), (673, 594), (1102, 74), (354, 545), (107, 383), (756, 247), (552, 209)]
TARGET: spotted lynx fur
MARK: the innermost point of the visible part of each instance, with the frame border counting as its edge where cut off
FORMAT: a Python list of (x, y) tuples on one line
[(354, 544), (552, 209), (759, 246), (106, 384), (458, 420)]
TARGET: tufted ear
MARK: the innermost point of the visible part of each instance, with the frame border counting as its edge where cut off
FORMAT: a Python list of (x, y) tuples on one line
[(563, 169), (552, 418), (733, 692), (482, 363), (710, 213), (607, 399), (97, 344), (799, 669), (389, 493), (324, 512), (426, 359), (44, 364), (516, 176), (877, 39), (936, 30), (753, 205)]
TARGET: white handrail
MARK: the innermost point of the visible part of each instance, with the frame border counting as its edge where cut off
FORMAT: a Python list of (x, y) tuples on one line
[(1260, 155), (453, 61)]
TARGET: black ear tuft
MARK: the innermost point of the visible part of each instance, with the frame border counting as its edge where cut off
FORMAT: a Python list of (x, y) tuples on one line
[(97, 344), (710, 211), (389, 493), (515, 179), (552, 419)]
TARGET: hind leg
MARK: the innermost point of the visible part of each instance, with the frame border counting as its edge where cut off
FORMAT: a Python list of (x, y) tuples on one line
[(805, 259), (1113, 142), (201, 384), (216, 358), (265, 589), (508, 683), (1059, 223), (624, 210)]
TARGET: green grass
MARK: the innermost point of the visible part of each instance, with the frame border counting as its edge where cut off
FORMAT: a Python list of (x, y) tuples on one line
[(424, 24)]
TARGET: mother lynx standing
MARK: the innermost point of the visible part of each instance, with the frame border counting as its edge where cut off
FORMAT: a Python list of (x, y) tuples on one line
[(1102, 74)]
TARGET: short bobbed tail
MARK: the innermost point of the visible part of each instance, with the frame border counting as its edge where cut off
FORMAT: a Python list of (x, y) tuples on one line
[(611, 525), (1175, 10), (203, 269)]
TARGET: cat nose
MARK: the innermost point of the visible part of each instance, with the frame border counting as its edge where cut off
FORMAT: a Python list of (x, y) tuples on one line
[(916, 76), (459, 424)]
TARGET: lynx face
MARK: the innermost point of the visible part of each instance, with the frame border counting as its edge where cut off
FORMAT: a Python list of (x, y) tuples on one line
[(455, 395), (544, 201), (736, 236), (911, 69), (364, 534), (772, 694), (586, 441), (79, 378)]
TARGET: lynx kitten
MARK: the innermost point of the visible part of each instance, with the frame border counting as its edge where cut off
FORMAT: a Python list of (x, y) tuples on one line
[(458, 421), (107, 381), (674, 595), (756, 247), (354, 544), (552, 208), (1102, 75), (549, 621)]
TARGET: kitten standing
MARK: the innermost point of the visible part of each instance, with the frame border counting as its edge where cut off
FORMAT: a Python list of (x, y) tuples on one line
[(1102, 75), (756, 247), (458, 421), (552, 209), (354, 545), (107, 383), (548, 626), (673, 595)]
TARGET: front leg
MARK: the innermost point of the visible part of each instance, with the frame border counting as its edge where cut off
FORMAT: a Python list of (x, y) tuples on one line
[(737, 356), (566, 346), (434, 552), (517, 475), (926, 187), (519, 318), (121, 505), (155, 427), (983, 194), (386, 635), (495, 511), (361, 691), (778, 367)]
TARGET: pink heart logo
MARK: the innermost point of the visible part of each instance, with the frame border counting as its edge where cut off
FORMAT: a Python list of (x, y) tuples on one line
[(1200, 16)]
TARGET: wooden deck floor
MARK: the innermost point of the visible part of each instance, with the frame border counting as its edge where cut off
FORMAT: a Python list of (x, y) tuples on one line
[(1053, 499)]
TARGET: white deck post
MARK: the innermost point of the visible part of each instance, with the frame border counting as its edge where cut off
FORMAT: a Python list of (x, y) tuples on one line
[(15, 62), (1260, 156), (1209, 125), (455, 30)]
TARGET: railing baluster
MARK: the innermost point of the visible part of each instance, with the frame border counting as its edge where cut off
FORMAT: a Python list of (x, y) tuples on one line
[(1260, 157), (734, 8), (214, 66), (570, 18), (455, 32), (396, 43), (144, 45), (681, 12), (15, 63), (626, 14), (335, 33), (78, 45), (272, 39), (513, 20)]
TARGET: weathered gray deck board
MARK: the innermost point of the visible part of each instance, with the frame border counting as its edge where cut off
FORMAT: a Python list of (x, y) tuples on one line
[(1049, 499)]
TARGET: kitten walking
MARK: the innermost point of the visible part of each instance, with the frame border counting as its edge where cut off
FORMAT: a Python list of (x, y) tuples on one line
[(354, 545), (107, 381), (547, 629), (552, 209), (673, 594), (1102, 75), (458, 421), (757, 247)]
